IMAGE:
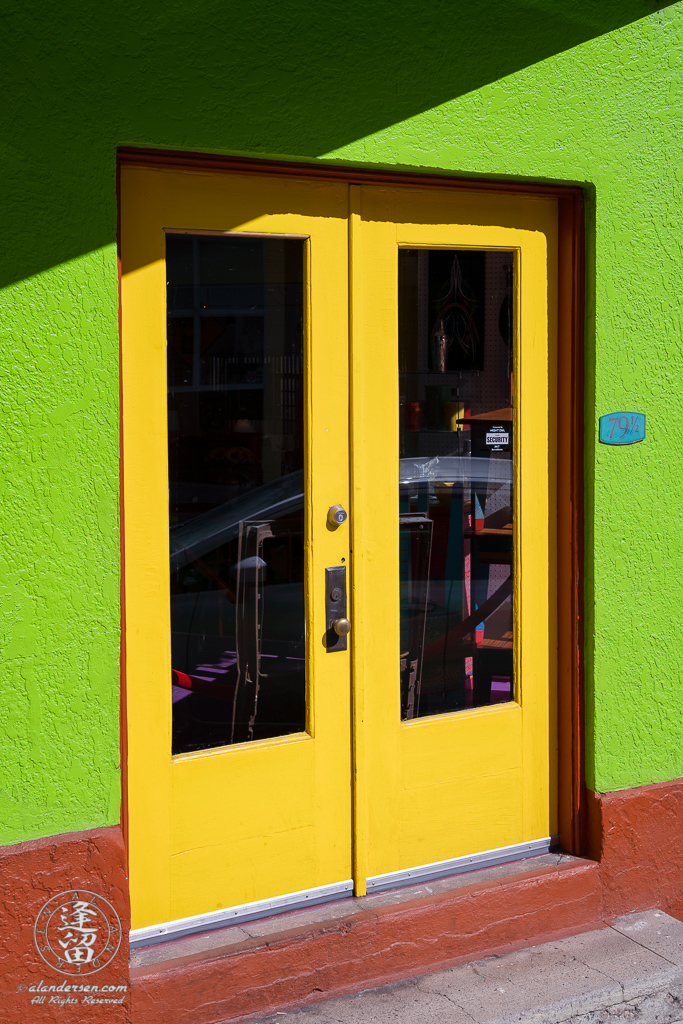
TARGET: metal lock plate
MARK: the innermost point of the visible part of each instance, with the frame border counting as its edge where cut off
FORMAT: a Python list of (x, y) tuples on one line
[(335, 606)]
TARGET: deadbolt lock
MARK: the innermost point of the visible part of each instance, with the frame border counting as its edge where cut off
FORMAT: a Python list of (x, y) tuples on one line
[(336, 515), (337, 625)]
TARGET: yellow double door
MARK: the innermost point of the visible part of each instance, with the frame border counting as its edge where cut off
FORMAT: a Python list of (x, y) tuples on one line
[(361, 791)]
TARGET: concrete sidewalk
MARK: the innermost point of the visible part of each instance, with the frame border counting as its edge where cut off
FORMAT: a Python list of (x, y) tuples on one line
[(631, 971)]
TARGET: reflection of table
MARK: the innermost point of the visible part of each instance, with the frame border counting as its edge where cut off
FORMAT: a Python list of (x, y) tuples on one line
[(491, 660), (487, 532), (491, 544), (470, 622), (466, 549), (496, 415), (491, 655), (492, 547)]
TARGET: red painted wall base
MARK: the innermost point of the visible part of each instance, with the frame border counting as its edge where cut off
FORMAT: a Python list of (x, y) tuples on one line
[(33, 873), (636, 835), (635, 840)]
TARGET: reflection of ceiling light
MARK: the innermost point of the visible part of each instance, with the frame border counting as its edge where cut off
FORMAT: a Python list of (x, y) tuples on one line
[(244, 427)]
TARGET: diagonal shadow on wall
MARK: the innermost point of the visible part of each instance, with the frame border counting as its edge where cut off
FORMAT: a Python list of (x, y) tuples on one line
[(272, 78)]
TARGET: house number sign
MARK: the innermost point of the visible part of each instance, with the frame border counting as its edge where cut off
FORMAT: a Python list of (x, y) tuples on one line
[(622, 427)]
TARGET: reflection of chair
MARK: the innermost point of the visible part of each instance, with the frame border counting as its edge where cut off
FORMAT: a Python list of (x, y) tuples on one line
[(415, 533), (250, 580), (284, 700)]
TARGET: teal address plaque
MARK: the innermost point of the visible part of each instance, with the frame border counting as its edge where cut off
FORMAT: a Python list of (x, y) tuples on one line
[(622, 427)]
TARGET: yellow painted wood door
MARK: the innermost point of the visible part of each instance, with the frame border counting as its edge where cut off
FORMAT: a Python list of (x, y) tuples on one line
[(449, 784), (231, 824), (364, 788)]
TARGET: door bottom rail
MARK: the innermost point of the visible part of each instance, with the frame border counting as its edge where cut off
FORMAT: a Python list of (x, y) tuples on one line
[(169, 930)]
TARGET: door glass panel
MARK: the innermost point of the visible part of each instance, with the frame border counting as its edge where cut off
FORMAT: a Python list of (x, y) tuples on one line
[(456, 337), (235, 456)]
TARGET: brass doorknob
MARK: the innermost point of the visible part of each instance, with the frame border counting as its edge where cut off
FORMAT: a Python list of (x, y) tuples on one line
[(342, 627)]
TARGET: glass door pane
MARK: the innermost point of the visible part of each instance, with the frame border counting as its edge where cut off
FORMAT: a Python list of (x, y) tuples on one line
[(236, 502), (456, 340)]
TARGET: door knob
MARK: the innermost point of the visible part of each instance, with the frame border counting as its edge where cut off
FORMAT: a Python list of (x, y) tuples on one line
[(336, 624)]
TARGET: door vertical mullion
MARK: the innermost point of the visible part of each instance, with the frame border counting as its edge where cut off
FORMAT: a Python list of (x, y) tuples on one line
[(359, 778)]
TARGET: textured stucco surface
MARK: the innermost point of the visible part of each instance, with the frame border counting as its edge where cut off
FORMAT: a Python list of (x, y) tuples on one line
[(60, 597), (37, 871), (637, 836), (582, 92)]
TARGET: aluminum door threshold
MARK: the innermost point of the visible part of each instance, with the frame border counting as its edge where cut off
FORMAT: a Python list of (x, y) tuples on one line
[(457, 866), (155, 933), (169, 930)]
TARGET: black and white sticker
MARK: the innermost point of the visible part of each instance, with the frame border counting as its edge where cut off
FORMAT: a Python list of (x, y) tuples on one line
[(497, 439)]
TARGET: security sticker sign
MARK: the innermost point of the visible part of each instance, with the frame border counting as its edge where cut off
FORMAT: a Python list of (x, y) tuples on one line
[(497, 439), (622, 427)]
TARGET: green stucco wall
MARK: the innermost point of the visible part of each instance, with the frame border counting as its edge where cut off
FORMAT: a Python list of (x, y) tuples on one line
[(587, 92)]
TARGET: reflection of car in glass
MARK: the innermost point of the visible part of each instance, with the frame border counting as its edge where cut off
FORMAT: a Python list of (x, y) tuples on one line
[(237, 619), (462, 471), (237, 601)]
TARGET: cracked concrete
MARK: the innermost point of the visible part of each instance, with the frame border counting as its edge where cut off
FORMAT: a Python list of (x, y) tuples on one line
[(631, 971)]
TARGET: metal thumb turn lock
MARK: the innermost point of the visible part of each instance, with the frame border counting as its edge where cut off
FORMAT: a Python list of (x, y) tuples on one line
[(336, 515), (342, 627)]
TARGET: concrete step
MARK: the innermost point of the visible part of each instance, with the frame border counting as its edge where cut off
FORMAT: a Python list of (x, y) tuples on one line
[(341, 910), (298, 958), (630, 971)]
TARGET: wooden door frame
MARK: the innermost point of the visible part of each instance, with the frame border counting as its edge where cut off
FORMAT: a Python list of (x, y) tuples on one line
[(570, 414)]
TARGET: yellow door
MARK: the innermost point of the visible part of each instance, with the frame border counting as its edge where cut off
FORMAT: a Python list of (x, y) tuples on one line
[(453, 390), (235, 434), (289, 346)]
